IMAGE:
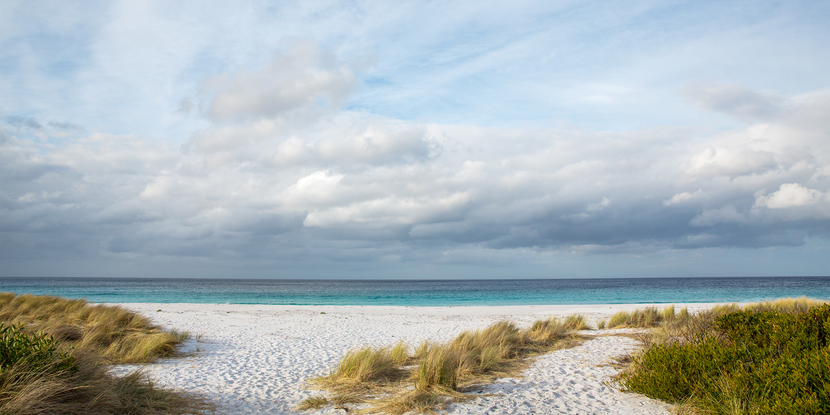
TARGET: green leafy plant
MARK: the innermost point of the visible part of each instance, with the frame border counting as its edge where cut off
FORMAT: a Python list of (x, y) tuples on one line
[(37, 351), (755, 360)]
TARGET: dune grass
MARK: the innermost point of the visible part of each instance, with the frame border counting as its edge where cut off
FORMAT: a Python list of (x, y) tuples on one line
[(55, 355), (107, 331), (647, 317), (769, 357), (393, 381)]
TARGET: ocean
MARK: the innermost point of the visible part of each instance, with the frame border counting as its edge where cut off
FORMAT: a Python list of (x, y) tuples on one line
[(423, 292)]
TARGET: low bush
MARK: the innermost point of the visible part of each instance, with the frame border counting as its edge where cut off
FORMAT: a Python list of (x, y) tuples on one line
[(763, 359), (38, 352)]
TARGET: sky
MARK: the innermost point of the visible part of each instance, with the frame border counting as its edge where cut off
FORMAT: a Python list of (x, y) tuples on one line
[(414, 139)]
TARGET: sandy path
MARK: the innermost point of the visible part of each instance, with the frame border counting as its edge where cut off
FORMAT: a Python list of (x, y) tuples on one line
[(256, 358)]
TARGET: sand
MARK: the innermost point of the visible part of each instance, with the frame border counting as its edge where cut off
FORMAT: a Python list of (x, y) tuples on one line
[(257, 358)]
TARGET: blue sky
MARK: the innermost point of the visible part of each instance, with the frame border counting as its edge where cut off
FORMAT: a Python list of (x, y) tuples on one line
[(414, 139)]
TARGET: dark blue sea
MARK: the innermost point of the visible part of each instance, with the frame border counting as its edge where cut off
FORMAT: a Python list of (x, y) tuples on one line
[(424, 292)]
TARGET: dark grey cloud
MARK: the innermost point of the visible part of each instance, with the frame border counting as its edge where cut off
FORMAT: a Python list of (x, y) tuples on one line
[(21, 122), (66, 126)]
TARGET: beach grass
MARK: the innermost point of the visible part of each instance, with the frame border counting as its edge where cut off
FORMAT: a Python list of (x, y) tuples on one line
[(107, 331), (437, 374), (575, 322), (769, 357), (55, 356)]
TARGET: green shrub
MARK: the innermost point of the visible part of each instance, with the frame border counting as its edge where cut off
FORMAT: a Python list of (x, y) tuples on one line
[(37, 351), (748, 362)]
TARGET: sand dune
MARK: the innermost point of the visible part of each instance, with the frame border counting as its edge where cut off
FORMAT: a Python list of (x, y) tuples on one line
[(256, 358)]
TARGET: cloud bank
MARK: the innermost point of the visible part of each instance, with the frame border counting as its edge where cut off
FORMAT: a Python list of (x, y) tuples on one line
[(414, 139), (284, 172)]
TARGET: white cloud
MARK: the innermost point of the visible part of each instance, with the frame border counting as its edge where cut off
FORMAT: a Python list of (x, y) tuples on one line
[(157, 188), (685, 197), (391, 211), (372, 140), (790, 195), (725, 161), (596, 207), (316, 189)]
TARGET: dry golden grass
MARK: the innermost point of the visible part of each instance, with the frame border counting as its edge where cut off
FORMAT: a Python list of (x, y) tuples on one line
[(313, 402), (108, 331), (576, 322), (647, 317), (89, 390), (364, 365), (399, 353), (787, 305), (95, 336), (417, 401), (438, 373)]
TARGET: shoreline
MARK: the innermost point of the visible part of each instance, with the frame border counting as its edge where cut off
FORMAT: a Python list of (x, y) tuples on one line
[(257, 358)]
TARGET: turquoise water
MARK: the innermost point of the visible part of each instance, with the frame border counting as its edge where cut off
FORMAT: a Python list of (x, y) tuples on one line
[(423, 293)]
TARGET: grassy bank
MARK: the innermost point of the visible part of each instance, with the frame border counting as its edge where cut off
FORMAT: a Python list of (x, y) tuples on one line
[(765, 358), (55, 355), (400, 378), (110, 332)]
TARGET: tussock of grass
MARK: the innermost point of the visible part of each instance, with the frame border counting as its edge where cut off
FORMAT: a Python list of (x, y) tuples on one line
[(647, 317), (57, 354), (421, 350), (89, 389), (399, 353), (365, 365), (769, 357), (417, 401), (440, 372), (575, 322), (108, 331), (313, 402)]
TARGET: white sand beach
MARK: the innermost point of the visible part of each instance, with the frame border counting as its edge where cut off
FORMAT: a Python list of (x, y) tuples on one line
[(257, 358)]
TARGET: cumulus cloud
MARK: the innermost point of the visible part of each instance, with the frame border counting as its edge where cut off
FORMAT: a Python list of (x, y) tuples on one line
[(790, 195), (725, 161), (685, 197)]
